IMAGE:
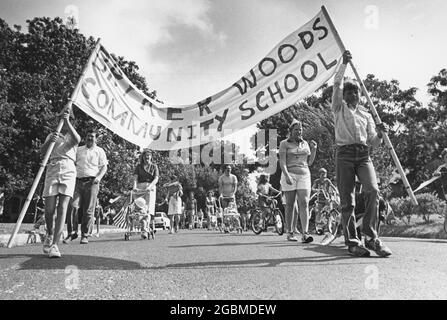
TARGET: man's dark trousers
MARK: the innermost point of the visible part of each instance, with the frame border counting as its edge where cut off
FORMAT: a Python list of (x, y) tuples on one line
[(351, 161), (85, 197)]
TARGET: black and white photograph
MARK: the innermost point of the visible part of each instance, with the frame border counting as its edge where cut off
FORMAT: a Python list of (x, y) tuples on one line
[(223, 157)]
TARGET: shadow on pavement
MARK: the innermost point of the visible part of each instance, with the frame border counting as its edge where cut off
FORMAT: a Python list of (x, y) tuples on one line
[(226, 244), (82, 262), (333, 256)]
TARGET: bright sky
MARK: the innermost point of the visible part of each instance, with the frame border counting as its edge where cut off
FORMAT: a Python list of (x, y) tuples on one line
[(191, 49)]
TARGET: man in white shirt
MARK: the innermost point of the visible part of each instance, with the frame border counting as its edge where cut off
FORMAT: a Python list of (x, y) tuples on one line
[(91, 166)]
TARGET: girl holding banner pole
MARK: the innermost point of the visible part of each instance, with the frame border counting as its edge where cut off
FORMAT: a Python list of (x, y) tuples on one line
[(60, 181)]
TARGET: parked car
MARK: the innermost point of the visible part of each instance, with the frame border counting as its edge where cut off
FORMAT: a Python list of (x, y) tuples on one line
[(161, 220)]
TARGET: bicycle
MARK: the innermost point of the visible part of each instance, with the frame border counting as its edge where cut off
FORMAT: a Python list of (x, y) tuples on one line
[(330, 218), (324, 212), (273, 215)]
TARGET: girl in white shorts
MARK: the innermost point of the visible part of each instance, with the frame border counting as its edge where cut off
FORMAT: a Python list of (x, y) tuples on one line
[(295, 156), (60, 181)]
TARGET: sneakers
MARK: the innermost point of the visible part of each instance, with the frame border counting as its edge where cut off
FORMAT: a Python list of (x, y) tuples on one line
[(68, 238), (378, 247), (84, 240), (54, 252), (328, 239), (307, 238), (144, 235), (65, 240), (359, 251), (291, 237), (47, 244)]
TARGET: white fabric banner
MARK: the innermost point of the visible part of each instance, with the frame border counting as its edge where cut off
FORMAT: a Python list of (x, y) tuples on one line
[(294, 69)]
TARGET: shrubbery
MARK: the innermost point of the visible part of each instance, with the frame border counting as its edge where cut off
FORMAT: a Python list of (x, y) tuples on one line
[(429, 204)]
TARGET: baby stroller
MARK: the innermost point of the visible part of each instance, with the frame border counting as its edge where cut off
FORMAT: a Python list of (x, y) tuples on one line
[(231, 217), (137, 218)]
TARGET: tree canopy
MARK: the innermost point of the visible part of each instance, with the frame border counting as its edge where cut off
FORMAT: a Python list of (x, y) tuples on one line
[(39, 70)]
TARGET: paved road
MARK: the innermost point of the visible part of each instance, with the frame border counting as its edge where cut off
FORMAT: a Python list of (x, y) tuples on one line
[(202, 264)]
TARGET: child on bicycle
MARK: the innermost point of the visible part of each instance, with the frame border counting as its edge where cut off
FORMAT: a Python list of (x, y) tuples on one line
[(324, 187), (263, 192)]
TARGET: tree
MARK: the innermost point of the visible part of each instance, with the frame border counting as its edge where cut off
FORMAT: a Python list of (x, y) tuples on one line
[(437, 87), (38, 72)]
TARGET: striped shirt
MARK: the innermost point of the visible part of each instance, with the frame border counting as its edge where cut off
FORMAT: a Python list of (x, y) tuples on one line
[(295, 154)]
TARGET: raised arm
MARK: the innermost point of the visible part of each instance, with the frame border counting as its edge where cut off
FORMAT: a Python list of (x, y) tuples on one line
[(337, 93), (72, 131)]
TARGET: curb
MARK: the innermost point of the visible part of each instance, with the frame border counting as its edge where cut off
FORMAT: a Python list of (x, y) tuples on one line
[(22, 239), (413, 231)]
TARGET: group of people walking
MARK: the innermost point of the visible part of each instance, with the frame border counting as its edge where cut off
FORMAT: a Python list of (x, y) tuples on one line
[(196, 210), (74, 174)]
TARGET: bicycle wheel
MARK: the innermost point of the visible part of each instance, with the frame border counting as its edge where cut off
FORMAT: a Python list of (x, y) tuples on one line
[(279, 221), (336, 227), (257, 223)]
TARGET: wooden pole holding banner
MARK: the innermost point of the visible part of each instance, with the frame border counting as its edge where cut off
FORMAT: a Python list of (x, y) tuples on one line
[(49, 150), (373, 110)]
